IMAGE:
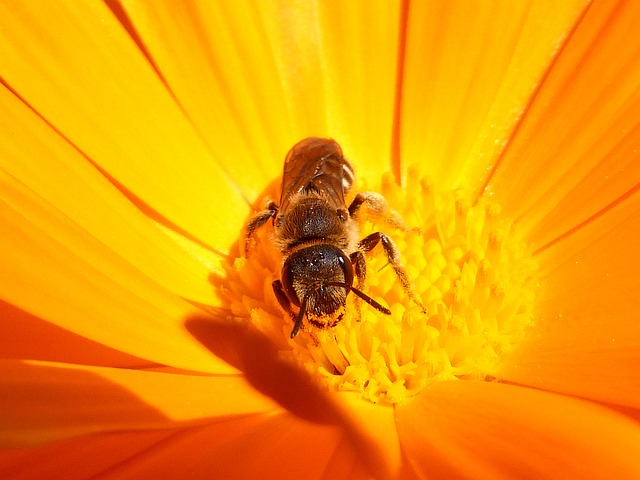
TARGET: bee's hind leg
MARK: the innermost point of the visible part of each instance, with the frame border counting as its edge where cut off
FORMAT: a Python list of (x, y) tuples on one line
[(373, 206)]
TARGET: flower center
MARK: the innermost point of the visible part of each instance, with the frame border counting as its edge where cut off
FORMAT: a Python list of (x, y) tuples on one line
[(469, 268)]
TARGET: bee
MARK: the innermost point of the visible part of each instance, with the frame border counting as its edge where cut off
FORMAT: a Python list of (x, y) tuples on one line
[(318, 235)]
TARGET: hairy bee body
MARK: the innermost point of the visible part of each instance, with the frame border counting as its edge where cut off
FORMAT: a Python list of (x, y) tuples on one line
[(319, 236)]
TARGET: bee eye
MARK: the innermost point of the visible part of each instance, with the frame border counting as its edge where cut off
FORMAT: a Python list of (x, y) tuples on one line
[(347, 268)]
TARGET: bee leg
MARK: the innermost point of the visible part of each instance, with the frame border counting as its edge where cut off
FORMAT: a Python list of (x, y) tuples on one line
[(282, 298), (258, 220), (360, 267), (285, 304), (376, 208), (369, 242)]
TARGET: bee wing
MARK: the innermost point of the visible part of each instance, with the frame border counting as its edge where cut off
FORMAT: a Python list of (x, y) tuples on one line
[(316, 165)]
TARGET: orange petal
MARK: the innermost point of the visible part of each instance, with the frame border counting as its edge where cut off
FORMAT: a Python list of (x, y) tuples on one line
[(124, 454), (91, 456), (576, 149), (24, 335), (470, 70), (587, 338), (263, 366), (369, 427), (466, 429), (277, 446), (346, 463), (374, 429), (57, 271), (277, 72), (42, 401), (77, 67), (255, 446), (53, 173)]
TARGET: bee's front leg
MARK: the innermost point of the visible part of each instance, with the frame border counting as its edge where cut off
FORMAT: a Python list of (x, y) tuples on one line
[(284, 302), (258, 220), (282, 298)]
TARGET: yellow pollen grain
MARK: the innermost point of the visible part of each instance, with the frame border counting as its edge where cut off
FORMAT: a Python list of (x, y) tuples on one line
[(469, 268)]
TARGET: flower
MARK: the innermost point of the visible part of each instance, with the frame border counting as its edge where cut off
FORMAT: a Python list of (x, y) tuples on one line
[(137, 139)]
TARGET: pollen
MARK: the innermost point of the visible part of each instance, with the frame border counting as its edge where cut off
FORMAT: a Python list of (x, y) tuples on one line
[(469, 268)]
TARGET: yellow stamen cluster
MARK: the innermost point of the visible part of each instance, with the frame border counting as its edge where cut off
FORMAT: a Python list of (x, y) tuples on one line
[(472, 273)]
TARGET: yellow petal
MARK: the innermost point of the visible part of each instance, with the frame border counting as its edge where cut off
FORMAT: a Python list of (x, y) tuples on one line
[(75, 65), (42, 401), (470, 71), (576, 150), (277, 72), (466, 429), (54, 175), (587, 338)]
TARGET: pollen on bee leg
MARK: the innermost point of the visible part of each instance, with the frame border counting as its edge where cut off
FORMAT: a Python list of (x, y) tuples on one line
[(467, 266)]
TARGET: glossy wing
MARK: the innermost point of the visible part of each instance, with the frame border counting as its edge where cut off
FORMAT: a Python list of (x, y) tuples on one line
[(316, 165)]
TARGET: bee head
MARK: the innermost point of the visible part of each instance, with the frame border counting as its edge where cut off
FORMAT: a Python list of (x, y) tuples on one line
[(312, 273), (317, 279)]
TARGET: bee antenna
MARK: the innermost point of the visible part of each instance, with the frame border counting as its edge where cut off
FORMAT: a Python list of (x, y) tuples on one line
[(303, 309), (362, 295)]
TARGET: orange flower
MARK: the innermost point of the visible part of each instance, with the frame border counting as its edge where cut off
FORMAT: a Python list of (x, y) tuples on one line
[(136, 140)]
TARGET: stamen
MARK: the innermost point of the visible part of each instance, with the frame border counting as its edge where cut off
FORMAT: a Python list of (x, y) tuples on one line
[(468, 267)]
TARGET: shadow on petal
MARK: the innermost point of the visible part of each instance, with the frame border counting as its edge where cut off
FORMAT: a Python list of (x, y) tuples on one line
[(44, 402), (61, 345), (258, 359), (293, 388)]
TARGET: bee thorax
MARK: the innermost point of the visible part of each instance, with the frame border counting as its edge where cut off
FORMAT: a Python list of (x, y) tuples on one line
[(312, 219)]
